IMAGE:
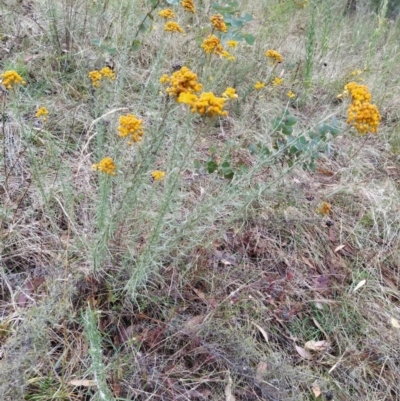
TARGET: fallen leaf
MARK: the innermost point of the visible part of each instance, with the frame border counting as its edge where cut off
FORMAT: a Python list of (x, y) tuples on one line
[(262, 331), (338, 248), (262, 368), (395, 323), (321, 283), (228, 390), (83, 382), (316, 390), (317, 345), (359, 285), (303, 353), (193, 324)]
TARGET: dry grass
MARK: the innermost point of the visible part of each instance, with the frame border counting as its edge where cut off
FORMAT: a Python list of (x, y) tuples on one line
[(121, 288)]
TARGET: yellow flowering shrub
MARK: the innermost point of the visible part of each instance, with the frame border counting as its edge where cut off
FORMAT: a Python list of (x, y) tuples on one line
[(158, 175), (212, 45), (188, 5), (132, 126), (42, 113), (183, 80), (106, 166), (218, 22), (173, 26), (167, 13), (274, 56), (232, 43), (11, 78)]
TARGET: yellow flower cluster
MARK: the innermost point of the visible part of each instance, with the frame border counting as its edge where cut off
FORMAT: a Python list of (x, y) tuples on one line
[(218, 22), (361, 113), (359, 93), (230, 93), (173, 26), (11, 78), (274, 56), (188, 5), (106, 165), (42, 112), (184, 87), (324, 209), (365, 117), (212, 44), (167, 13), (158, 175), (232, 43), (96, 76), (259, 85), (227, 55), (206, 104), (130, 125), (291, 95), (182, 81), (277, 81)]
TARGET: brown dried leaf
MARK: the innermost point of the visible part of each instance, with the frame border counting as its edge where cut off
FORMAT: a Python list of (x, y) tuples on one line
[(317, 345), (316, 390), (303, 353)]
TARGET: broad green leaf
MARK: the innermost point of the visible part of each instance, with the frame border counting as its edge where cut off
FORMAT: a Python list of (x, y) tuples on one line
[(249, 38), (211, 166)]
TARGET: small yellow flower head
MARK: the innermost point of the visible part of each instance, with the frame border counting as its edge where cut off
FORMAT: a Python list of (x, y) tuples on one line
[(173, 26), (291, 95), (188, 5), (167, 13), (218, 22), (164, 79), (232, 43), (301, 3), (365, 117), (42, 112), (107, 72), (227, 55), (277, 81), (259, 85), (324, 209), (95, 77), (212, 45), (230, 93), (209, 105), (274, 56), (130, 125), (183, 80), (11, 78), (158, 175), (106, 165)]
